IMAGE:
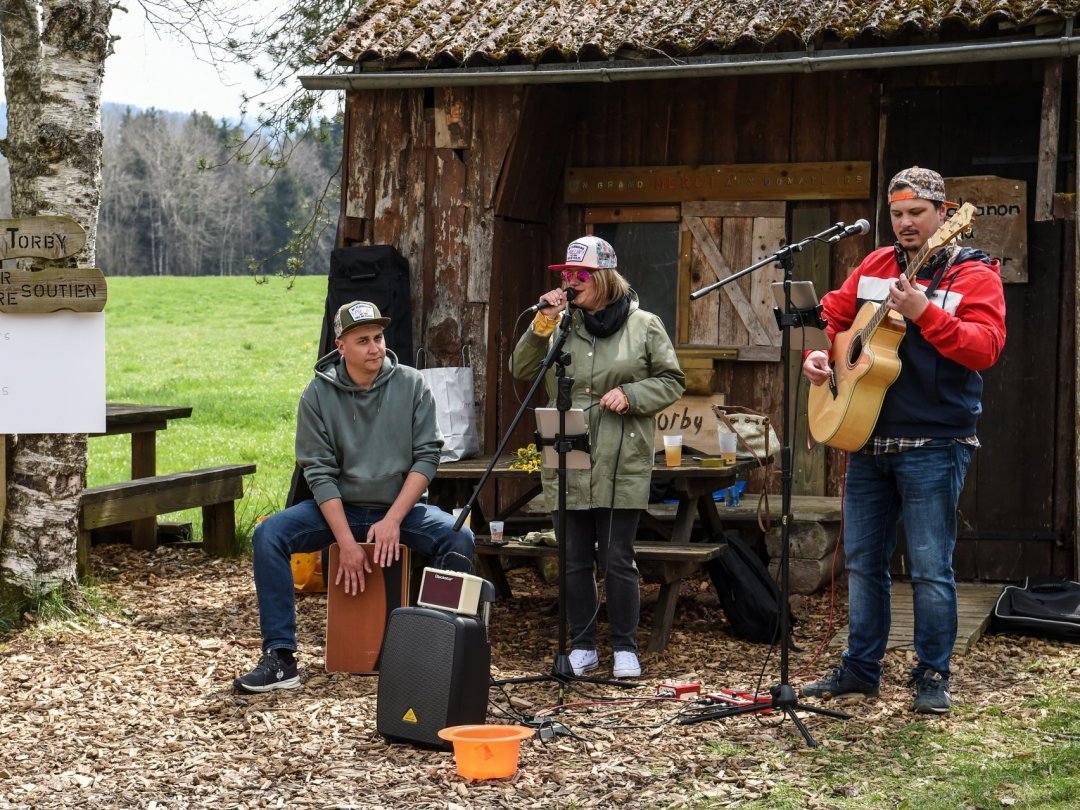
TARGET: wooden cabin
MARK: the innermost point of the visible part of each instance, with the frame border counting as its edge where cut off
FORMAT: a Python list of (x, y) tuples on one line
[(700, 138)]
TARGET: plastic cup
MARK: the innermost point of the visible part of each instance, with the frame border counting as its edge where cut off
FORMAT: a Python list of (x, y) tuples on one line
[(496, 528), (486, 752), (728, 445), (673, 449)]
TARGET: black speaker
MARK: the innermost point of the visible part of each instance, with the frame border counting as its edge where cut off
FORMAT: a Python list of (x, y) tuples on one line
[(435, 668)]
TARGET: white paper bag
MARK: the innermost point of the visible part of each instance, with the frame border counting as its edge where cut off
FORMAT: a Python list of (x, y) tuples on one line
[(455, 408)]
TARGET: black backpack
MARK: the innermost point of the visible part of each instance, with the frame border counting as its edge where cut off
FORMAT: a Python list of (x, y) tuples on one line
[(1039, 606), (748, 594)]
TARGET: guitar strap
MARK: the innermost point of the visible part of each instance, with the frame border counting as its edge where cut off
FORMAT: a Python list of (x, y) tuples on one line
[(939, 276)]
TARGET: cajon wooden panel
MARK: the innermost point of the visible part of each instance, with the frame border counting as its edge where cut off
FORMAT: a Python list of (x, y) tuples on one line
[(355, 625)]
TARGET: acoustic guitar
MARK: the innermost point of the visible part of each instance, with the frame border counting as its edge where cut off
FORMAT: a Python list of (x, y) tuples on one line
[(843, 410)]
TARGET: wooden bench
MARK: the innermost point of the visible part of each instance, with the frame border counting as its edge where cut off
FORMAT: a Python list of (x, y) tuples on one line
[(215, 489), (665, 563), (814, 532)]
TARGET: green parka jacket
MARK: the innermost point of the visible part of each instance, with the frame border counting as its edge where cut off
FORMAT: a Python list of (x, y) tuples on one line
[(638, 358)]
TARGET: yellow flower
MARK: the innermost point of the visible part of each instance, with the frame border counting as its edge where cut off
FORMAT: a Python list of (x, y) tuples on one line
[(526, 458)]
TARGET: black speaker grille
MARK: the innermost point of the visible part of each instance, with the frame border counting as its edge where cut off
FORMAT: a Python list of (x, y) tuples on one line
[(414, 682), (435, 672)]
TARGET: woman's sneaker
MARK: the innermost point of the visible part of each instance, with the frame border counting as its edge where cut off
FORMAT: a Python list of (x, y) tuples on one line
[(582, 661), (840, 684), (626, 665), (272, 672), (931, 694)]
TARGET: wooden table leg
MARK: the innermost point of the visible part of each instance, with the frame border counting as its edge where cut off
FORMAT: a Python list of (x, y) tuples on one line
[(144, 465), (663, 617)]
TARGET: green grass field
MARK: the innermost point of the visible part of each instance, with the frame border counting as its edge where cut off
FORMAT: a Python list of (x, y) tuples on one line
[(239, 351)]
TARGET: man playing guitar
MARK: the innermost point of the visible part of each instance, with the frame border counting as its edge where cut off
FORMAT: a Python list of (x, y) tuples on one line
[(912, 467)]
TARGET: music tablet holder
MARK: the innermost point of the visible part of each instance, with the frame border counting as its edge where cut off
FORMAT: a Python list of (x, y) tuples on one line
[(564, 445), (809, 319)]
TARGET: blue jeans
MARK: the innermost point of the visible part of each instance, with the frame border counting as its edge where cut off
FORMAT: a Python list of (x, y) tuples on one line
[(301, 528), (922, 487), (587, 533)]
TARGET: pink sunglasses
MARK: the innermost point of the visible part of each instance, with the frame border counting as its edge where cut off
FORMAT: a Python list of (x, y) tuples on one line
[(570, 276)]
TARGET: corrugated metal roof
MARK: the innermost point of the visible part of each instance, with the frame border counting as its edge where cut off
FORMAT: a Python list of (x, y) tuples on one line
[(494, 32)]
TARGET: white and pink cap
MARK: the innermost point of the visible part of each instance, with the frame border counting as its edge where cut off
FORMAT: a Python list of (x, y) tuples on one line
[(588, 253)]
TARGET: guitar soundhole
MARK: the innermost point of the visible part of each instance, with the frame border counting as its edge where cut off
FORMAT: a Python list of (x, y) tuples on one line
[(855, 352)]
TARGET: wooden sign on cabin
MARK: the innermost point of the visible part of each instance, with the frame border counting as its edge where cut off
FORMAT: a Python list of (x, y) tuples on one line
[(746, 181), (77, 289), (1001, 216), (693, 417)]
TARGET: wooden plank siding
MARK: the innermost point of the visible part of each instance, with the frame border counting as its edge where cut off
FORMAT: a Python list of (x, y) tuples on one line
[(467, 184)]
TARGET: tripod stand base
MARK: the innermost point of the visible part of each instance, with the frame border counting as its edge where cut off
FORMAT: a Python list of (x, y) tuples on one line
[(783, 700)]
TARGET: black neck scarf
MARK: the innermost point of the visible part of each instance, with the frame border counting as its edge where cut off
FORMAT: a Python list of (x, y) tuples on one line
[(608, 320)]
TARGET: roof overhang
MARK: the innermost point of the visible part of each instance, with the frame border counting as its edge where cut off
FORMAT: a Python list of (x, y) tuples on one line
[(706, 66)]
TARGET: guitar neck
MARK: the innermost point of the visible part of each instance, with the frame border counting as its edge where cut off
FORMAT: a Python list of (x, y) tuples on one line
[(914, 266)]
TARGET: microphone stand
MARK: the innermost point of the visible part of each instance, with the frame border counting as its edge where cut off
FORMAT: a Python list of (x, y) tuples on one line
[(783, 697), (561, 670)]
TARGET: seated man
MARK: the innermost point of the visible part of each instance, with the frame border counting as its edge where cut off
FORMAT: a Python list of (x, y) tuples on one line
[(368, 444)]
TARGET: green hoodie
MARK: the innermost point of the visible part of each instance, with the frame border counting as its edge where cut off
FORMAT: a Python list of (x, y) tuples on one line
[(359, 444)]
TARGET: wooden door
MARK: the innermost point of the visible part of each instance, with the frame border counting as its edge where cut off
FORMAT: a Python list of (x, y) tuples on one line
[(724, 238)]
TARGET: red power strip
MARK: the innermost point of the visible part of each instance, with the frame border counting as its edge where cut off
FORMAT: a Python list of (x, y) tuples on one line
[(734, 698), (683, 690)]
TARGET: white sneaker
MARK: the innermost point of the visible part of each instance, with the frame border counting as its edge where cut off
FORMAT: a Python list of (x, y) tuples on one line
[(582, 661), (626, 665)]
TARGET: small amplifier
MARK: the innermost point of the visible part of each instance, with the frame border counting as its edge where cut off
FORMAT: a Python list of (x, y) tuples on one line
[(450, 590)]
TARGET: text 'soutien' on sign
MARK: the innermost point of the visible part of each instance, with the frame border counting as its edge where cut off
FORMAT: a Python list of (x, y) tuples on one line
[(78, 289)]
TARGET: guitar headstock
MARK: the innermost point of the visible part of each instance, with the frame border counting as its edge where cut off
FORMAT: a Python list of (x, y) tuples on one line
[(958, 223)]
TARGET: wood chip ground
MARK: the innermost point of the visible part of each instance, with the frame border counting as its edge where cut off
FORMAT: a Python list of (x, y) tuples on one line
[(136, 709)]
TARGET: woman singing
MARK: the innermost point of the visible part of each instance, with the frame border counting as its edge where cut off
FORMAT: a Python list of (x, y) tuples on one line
[(625, 371)]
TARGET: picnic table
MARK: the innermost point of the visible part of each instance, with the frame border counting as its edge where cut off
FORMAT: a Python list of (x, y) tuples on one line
[(136, 503), (142, 422), (667, 562)]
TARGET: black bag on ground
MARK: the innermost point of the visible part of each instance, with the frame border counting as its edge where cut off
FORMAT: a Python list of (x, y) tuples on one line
[(1039, 606), (748, 594)]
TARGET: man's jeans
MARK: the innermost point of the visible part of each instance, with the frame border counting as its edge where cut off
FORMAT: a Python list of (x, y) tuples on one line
[(301, 528), (922, 486)]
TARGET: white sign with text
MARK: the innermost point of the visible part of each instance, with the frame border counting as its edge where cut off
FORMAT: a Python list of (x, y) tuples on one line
[(52, 372)]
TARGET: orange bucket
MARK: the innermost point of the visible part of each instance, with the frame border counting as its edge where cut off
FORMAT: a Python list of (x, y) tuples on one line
[(486, 752)]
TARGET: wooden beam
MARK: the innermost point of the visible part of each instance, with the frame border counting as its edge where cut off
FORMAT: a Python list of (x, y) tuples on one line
[(1076, 358), (1046, 176)]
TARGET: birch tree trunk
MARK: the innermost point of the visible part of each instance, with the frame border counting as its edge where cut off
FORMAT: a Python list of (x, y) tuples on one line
[(54, 59)]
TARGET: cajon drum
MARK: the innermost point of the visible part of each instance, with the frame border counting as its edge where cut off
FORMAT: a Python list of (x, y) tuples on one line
[(356, 624)]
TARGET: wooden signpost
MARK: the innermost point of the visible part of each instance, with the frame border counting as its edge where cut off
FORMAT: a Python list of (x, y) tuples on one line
[(47, 237), (79, 290)]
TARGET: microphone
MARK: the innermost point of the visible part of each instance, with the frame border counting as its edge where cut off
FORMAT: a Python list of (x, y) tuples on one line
[(539, 305), (860, 226)]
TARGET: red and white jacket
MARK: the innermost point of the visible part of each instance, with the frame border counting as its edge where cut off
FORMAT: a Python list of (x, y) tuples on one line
[(962, 332)]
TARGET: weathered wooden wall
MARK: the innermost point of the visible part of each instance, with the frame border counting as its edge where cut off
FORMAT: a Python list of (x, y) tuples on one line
[(757, 119), (467, 184), (1017, 506)]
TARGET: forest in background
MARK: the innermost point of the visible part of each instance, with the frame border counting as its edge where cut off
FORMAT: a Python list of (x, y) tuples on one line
[(177, 201)]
